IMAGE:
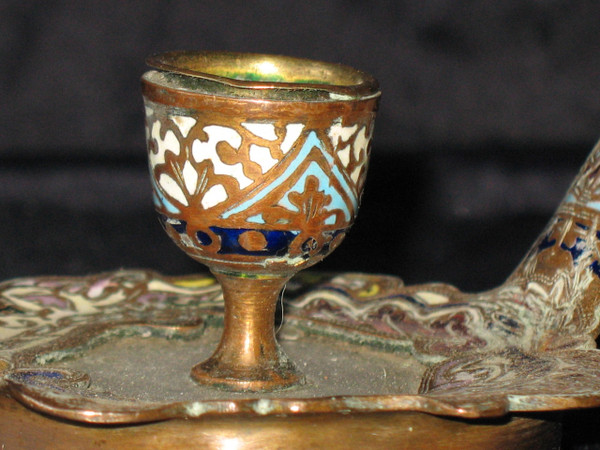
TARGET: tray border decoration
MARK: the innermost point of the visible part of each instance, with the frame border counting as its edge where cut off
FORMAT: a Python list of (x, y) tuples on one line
[(55, 313)]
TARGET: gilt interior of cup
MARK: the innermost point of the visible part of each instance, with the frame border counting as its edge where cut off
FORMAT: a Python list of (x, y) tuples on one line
[(260, 75)]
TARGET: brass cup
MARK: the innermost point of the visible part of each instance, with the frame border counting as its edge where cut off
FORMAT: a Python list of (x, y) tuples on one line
[(257, 164)]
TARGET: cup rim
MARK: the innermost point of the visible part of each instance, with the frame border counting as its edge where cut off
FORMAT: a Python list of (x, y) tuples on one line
[(245, 70)]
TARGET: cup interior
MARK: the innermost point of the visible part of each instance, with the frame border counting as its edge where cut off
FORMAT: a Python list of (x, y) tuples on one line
[(262, 71)]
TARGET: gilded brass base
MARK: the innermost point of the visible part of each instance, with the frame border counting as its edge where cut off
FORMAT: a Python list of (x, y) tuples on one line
[(22, 428)]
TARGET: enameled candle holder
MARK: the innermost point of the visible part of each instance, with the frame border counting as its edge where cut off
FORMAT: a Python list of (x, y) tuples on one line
[(257, 163)]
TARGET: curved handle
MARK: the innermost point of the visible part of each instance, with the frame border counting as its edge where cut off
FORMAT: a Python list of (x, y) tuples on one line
[(561, 273)]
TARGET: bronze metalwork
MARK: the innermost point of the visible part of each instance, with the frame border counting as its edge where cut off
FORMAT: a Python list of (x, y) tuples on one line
[(384, 364)]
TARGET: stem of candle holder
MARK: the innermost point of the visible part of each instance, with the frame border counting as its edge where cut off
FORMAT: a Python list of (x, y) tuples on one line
[(248, 358)]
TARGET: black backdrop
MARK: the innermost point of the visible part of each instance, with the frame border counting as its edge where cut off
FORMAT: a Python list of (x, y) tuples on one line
[(488, 110)]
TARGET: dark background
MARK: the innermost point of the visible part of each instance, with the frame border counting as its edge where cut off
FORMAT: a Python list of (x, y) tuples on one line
[(488, 110)]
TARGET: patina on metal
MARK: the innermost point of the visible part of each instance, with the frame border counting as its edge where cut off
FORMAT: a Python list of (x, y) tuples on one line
[(258, 164)]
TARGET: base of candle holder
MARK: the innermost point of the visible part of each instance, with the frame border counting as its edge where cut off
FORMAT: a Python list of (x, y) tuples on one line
[(23, 428), (278, 376), (116, 348)]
